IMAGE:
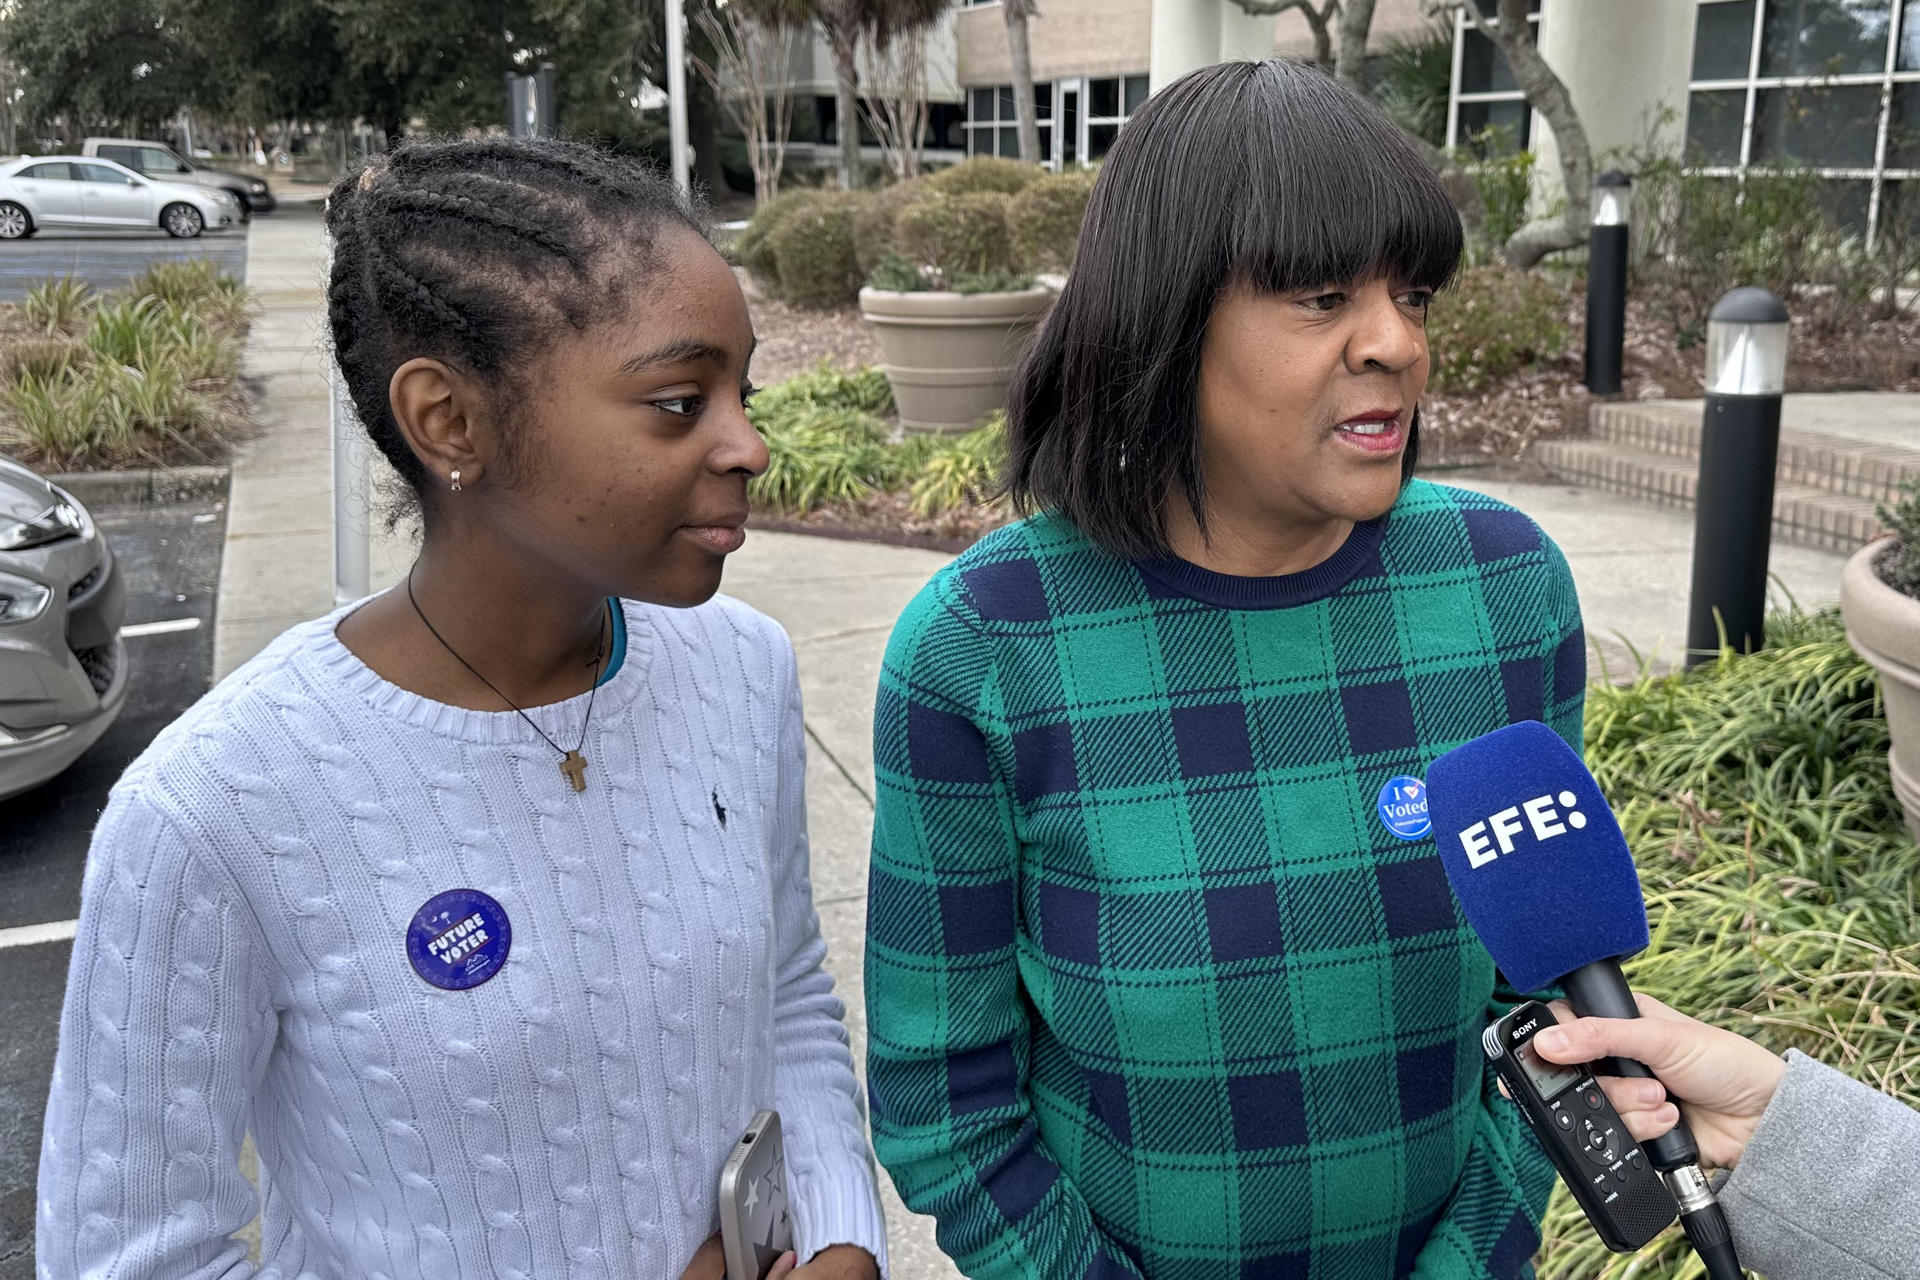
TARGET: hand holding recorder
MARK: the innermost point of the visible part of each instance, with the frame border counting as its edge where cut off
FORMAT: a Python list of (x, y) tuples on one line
[(1725, 1079)]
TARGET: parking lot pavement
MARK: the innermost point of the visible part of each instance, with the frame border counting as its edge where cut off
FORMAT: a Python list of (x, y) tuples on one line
[(171, 556), (108, 259)]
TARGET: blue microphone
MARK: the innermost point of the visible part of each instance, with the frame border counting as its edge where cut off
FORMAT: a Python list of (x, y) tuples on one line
[(1544, 876)]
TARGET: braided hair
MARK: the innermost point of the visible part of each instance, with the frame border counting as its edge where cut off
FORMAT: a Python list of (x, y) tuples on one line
[(478, 253)]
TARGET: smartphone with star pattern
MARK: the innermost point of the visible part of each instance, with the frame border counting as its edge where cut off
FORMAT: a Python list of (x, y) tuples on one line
[(755, 1226)]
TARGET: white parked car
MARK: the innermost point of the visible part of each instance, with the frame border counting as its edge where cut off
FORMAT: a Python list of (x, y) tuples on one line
[(85, 191)]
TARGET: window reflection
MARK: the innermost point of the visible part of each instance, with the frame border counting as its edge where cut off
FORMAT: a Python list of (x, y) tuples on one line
[(1824, 37)]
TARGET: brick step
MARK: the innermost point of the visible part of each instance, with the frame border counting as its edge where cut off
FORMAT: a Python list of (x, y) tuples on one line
[(1802, 514), (1854, 468)]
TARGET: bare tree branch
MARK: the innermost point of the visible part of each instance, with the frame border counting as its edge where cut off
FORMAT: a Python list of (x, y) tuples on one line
[(751, 82), (1548, 95), (899, 118), (1317, 19)]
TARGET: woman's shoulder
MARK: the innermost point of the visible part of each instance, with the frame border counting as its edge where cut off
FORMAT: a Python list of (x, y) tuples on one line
[(1454, 523), (1021, 572)]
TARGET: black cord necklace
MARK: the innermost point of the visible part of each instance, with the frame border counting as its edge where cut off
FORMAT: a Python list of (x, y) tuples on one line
[(572, 763)]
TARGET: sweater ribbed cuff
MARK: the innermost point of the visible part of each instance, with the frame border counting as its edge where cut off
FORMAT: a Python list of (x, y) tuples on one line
[(841, 1209)]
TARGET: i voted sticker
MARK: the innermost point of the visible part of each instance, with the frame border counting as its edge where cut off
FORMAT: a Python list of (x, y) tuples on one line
[(1403, 808), (459, 939)]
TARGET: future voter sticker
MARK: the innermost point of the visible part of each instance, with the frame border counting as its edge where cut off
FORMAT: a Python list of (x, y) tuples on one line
[(459, 939), (1403, 808)]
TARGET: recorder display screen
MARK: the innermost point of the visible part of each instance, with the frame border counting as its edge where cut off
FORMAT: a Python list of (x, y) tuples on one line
[(1550, 1078)]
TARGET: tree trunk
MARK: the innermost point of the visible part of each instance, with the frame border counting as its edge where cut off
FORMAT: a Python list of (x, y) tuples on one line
[(846, 96), (1356, 21), (1017, 12), (1322, 38), (703, 131), (1548, 95)]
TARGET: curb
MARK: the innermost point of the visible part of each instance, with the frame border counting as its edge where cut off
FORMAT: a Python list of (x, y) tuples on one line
[(160, 486)]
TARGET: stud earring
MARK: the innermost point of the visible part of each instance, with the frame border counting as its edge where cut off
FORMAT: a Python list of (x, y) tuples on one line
[(456, 482)]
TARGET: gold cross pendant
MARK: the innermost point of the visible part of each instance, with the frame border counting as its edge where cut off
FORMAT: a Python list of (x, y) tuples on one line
[(575, 767)]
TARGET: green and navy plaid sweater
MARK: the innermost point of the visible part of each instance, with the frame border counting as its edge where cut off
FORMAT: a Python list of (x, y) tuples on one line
[(1151, 990)]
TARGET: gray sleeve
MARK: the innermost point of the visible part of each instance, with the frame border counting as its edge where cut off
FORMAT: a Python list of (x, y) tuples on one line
[(1829, 1187)]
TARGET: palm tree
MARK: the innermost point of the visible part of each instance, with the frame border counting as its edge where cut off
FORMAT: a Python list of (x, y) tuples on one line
[(1016, 13), (876, 23)]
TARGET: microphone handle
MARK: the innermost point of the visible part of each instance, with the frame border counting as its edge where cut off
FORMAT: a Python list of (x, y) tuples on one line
[(1600, 990)]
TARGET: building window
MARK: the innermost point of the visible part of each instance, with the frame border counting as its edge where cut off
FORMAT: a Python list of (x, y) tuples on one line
[(1078, 118), (1486, 112), (993, 126), (1831, 85)]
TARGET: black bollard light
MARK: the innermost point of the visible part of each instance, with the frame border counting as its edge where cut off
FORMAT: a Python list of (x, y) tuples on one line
[(1739, 446), (1607, 282)]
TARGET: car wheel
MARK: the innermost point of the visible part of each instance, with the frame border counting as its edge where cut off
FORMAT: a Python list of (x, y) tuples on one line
[(15, 223), (182, 221)]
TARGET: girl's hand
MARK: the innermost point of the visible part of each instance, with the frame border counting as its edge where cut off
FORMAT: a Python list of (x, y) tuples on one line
[(709, 1261), (837, 1262)]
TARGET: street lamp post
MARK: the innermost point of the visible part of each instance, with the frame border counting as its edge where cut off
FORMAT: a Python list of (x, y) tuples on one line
[(677, 94), (1739, 448), (1607, 282)]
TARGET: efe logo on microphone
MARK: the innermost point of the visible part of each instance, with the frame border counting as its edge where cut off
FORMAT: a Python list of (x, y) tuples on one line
[(1480, 839)]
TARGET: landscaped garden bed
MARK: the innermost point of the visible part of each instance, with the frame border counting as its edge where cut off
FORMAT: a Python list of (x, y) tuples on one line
[(145, 376), (1779, 879)]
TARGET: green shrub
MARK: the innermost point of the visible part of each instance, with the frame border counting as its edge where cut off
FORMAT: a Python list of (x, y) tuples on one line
[(874, 218), (1901, 566), (1416, 78), (148, 379), (958, 234), (823, 386), (1493, 323), (754, 249), (41, 358), (813, 252), (1779, 877), (980, 174), (1045, 219), (820, 454), (196, 286), (127, 330), (898, 274), (953, 471), (58, 305)]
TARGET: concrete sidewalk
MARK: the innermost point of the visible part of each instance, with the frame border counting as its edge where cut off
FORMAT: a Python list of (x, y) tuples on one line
[(837, 599)]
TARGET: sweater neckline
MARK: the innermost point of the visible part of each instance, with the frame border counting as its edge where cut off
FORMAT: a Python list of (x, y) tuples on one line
[(1232, 591), (339, 667)]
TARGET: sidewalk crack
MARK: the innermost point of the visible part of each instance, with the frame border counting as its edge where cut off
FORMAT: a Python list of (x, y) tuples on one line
[(827, 751)]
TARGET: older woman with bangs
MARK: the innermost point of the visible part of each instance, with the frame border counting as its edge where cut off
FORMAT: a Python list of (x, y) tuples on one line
[(1164, 978)]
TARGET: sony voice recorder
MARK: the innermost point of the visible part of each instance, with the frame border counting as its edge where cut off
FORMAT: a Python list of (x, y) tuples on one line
[(1625, 1199)]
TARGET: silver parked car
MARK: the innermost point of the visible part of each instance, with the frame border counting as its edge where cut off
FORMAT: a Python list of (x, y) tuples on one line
[(160, 161), (63, 665), (74, 191)]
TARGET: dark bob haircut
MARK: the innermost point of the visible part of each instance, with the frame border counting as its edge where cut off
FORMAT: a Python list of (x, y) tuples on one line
[(1264, 175)]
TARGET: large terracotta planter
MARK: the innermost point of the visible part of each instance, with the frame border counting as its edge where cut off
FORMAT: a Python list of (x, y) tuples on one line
[(950, 356), (1883, 626)]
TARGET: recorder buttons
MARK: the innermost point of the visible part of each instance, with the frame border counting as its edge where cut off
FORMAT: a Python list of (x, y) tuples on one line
[(1592, 1097), (1563, 1118)]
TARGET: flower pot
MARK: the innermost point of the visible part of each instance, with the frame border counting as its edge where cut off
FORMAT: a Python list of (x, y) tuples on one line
[(950, 356), (1883, 626)]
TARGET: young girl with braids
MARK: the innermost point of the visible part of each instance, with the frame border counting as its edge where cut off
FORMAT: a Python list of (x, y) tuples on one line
[(482, 906)]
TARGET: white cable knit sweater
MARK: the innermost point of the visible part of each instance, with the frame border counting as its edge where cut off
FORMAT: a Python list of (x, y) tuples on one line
[(242, 966)]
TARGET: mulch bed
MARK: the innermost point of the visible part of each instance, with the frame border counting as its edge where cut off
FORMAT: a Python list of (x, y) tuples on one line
[(1830, 347)]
